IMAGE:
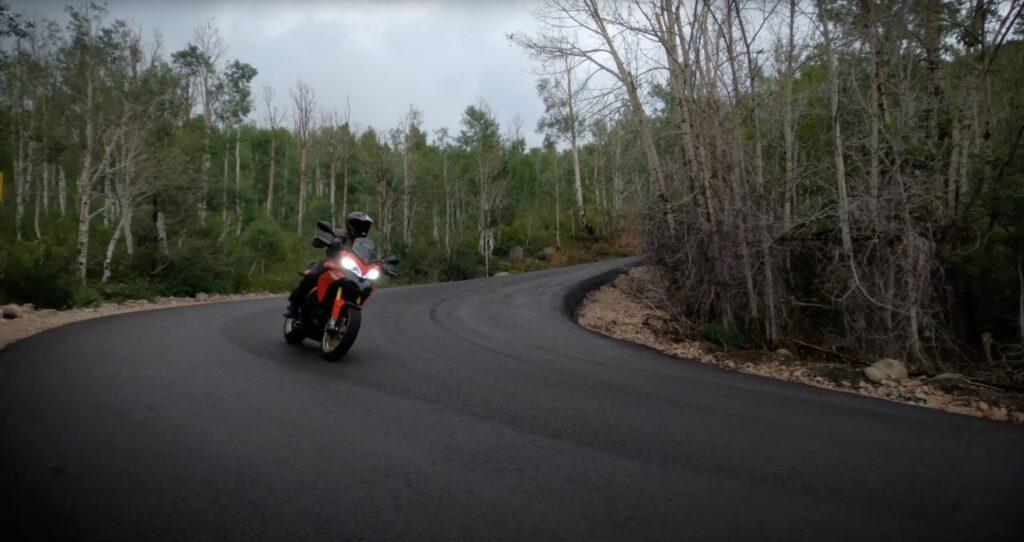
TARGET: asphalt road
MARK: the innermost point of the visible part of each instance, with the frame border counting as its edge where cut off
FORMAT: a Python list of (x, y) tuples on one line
[(469, 410)]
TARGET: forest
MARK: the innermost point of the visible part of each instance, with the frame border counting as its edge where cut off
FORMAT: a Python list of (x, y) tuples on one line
[(845, 174), (132, 171)]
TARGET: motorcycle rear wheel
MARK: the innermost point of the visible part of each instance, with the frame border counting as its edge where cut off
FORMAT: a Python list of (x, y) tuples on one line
[(293, 332), (335, 344)]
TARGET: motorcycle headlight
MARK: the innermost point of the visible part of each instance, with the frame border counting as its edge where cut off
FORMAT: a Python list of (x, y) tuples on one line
[(373, 274), (349, 263)]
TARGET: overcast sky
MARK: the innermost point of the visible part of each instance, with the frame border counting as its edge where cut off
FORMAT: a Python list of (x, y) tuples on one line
[(381, 56)]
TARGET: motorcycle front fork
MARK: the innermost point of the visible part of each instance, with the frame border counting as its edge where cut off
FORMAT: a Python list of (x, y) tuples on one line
[(339, 302)]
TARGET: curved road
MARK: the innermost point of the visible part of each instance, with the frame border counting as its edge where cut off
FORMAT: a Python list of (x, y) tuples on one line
[(469, 410)]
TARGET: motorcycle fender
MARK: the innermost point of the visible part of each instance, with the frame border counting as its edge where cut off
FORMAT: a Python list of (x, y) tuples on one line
[(327, 278)]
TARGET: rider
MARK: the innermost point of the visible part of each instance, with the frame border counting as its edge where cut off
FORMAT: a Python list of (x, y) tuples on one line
[(357, 225)]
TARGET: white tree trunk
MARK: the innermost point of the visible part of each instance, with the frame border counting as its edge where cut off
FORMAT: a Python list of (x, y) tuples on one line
[(238, 181), (39, 204), (111, 245), (406, 199), (581, 211), (332, 191), (657, 173), (84, 189), (20, 187), (224, 197), (844, 204), (787, 123), (302, 187), (62, 190), (161, 231), (46, 188), (270, 176), (344, 188), (558, 210)]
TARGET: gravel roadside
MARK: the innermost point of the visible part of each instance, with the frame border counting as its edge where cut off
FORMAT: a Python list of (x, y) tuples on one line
[(20, 321), (625, 310)]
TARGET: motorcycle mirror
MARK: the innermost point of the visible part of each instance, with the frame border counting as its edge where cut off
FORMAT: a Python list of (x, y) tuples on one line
[(324, 227), (391, 261), (319, 243), (390, 271)]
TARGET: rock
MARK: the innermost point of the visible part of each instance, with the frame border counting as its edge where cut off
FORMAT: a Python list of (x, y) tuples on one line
[(998, 414), (501, 274), (28, 307), (886, 368), (784, 353), (657, 325), (967, 411), (10, 312), (202, 296), (548, 252), (983, 406), (515, 254)]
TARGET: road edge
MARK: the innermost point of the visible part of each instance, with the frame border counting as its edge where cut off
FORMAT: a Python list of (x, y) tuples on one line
[(41, 323), (573, 299)]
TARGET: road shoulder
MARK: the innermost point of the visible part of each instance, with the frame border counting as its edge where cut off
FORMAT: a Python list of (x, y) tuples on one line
[(22, 321), (623, 308)]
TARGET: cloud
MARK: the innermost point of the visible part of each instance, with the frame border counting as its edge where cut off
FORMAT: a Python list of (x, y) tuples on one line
[(380, 56)]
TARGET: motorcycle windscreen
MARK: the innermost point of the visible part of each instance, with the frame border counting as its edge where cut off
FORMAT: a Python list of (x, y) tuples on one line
[(365, 249)]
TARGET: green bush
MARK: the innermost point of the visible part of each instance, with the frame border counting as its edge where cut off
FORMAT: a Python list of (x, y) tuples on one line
[(36, 272), (723, 335)]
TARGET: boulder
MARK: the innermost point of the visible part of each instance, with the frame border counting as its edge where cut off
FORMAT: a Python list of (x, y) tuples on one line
[(784, 353), (515, 253), (657, 325), (10, 312), (548, 252), (501, 274), (886, 369), (202, 296)]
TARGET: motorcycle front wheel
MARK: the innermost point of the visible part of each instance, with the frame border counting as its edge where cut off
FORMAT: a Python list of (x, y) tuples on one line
[(336, 343)]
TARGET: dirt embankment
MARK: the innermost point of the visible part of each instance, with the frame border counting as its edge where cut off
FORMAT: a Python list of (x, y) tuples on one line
[(626, 309), (20, 321)]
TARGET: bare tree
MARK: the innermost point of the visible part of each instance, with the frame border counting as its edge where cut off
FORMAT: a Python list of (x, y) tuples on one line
[(273, 117), (591, 39), (211, 47), (410, 140), (303, 100), (339, 142)]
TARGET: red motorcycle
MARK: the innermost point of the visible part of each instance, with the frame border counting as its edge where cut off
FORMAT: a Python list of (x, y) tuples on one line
[(332, 311)]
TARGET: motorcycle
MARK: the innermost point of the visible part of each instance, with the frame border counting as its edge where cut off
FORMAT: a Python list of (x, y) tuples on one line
[(332, 311)]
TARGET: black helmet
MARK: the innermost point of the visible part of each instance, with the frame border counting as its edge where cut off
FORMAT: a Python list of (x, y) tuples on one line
[(357, 224)]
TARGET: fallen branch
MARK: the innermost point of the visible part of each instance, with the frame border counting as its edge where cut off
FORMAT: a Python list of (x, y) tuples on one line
[(964, 380), (830, 352)]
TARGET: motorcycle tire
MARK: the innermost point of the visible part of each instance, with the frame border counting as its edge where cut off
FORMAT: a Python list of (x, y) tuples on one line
[(335, 344), (293, 332)]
